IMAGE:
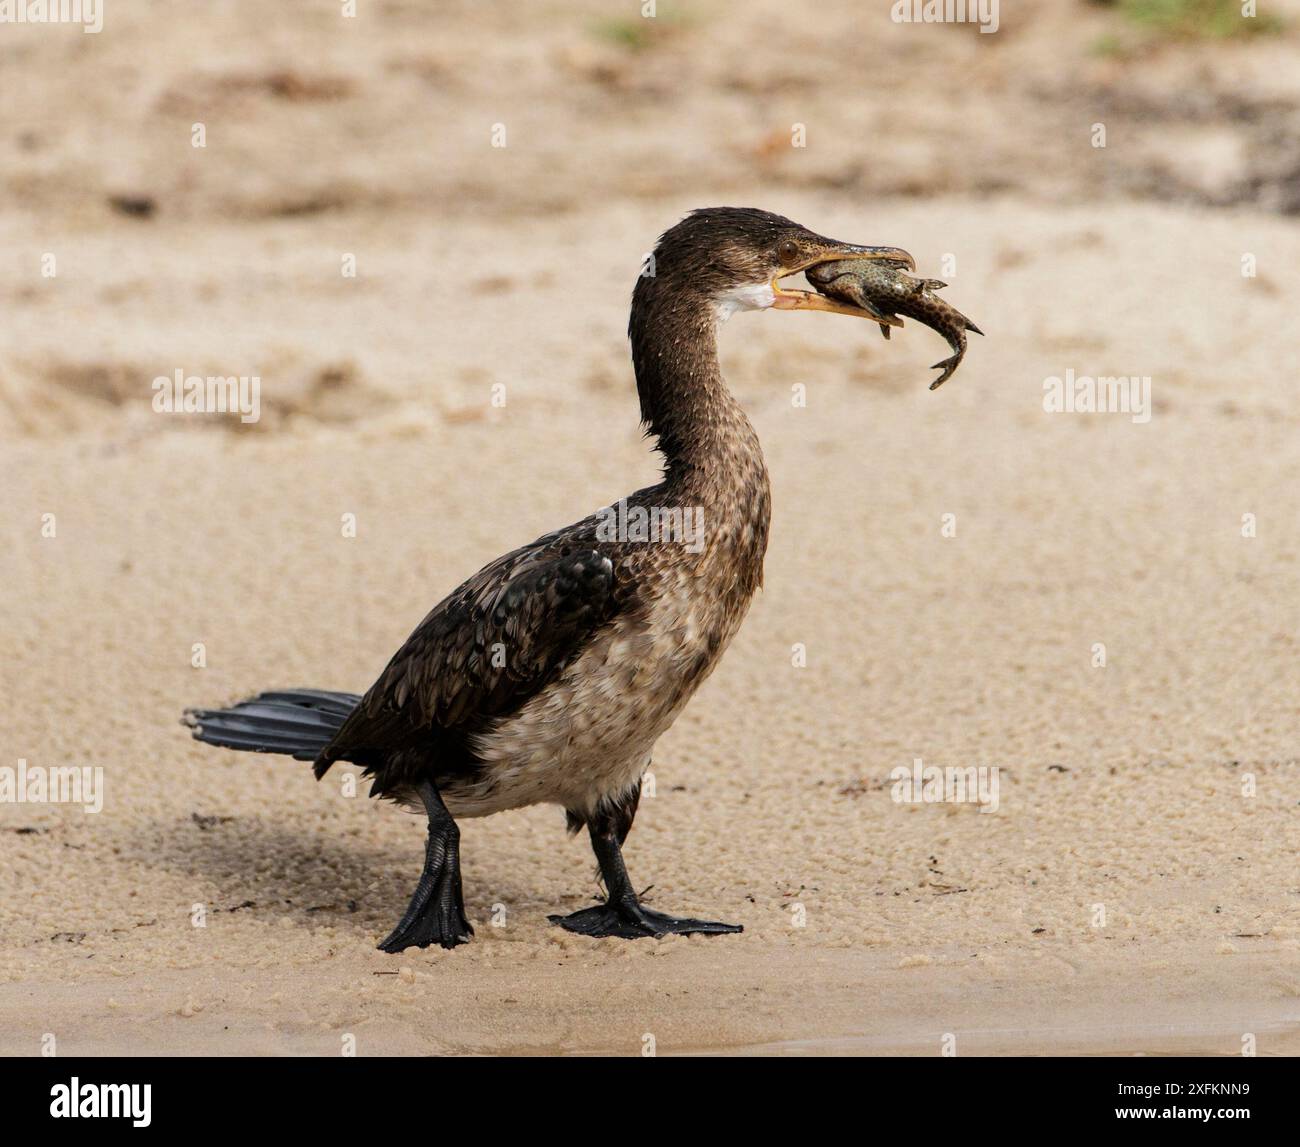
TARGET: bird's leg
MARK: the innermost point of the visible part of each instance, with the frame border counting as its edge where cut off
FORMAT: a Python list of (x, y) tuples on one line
[(623, 914), (436, 914)]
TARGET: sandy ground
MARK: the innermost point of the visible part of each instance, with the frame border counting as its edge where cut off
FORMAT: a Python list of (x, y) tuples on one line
[(1121, 786)]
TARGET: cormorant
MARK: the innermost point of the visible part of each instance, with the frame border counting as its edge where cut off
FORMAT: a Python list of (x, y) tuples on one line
[(551, 673)]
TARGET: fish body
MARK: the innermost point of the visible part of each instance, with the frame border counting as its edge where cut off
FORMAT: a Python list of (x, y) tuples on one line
[(884, 290)]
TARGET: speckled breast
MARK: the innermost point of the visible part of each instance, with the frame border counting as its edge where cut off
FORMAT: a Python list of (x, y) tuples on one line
[(589, 735)]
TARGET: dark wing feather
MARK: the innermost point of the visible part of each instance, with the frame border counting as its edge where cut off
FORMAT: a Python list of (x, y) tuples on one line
[(482, 651)]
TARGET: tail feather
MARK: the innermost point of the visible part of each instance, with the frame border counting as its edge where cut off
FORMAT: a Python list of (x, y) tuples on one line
[(297, 722), (340, 704)]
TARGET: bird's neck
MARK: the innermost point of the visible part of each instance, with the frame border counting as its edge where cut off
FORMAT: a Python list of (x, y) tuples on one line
[(707, 442), (714, 464)]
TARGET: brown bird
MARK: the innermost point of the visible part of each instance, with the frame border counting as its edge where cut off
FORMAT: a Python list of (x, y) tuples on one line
[(549, 675)]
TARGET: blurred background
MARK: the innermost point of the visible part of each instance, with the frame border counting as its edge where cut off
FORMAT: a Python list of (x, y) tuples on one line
[(326, 134)]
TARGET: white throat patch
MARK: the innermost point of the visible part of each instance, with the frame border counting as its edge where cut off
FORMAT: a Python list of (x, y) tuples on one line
[(750, 297)]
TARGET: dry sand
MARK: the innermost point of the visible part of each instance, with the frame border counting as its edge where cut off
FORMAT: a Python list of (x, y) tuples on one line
[(1121, 786)]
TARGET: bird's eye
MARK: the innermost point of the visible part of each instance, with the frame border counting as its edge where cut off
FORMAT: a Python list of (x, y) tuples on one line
[(788, 252)]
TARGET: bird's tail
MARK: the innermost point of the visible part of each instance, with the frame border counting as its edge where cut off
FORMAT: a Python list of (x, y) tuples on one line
[(299, 722)]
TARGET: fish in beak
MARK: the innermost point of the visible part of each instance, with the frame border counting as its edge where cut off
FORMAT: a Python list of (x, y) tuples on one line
[(787, 299), (883, 288)]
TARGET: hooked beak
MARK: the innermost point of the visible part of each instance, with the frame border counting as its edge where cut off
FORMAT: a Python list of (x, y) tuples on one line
[(796, 300)]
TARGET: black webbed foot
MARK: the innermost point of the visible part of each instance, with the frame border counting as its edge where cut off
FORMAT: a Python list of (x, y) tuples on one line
[(633, 921), (623, 915), (436, 914)]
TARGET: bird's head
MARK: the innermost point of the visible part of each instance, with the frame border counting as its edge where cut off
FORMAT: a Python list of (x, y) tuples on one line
[(733, 258)]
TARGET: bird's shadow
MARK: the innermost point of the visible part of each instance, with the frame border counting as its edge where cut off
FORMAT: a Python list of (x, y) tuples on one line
[(273, 872)]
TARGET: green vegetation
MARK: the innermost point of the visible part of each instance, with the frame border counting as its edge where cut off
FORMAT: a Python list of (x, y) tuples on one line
[(1197, 19), (1109, 45), (638, 33)]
